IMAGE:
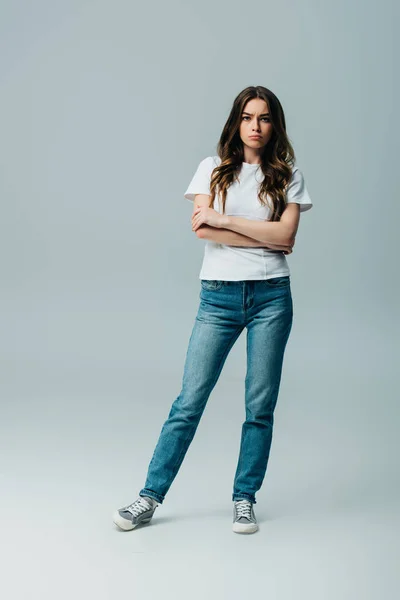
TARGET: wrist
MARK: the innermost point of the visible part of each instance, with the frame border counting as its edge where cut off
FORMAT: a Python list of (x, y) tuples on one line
[(225, 221)]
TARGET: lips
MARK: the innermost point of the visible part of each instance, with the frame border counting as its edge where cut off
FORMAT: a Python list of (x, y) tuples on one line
[(255, 137)]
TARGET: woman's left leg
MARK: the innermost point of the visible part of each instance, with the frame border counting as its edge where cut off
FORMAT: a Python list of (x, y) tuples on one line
[(268, 327)]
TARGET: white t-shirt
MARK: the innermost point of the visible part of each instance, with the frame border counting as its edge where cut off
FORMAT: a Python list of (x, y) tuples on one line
[(236, 263)]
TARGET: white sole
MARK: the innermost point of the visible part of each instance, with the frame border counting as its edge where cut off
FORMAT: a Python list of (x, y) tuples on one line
[(244, 528), (125, 524)]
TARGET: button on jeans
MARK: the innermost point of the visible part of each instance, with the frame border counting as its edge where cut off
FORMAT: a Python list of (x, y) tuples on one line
[(265, 308)]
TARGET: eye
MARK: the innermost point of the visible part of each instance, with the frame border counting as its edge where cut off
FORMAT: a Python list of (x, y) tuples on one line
[(262, 118)]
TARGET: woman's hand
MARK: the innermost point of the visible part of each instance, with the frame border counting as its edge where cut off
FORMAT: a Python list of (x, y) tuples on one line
[(207, 216)]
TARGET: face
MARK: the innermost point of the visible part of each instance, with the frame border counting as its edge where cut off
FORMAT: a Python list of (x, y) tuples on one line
[(255, 121)]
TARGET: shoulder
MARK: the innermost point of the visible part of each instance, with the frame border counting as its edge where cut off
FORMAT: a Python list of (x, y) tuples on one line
[(211, 161), (297, 171), (297, 175), (208, 164)]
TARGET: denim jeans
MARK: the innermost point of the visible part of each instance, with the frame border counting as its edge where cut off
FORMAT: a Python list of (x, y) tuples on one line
[(265, 308)]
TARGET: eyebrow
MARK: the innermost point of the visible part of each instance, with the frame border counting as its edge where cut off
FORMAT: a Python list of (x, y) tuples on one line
[(250, 114)]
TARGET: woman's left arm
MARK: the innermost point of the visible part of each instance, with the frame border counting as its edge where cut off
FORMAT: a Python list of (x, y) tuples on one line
[(268, 232), (280, 232), (273, 232), (232, 238)]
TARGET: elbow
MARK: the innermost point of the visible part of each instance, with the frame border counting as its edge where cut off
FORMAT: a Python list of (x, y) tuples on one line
[(201, 232), (285, 240), (289, 238), (290, 241)]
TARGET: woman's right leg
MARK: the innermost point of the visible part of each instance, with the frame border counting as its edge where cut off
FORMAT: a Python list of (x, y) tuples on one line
[(217, 326)]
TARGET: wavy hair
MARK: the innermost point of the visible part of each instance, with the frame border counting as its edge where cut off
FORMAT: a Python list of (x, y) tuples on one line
[(277, 157)]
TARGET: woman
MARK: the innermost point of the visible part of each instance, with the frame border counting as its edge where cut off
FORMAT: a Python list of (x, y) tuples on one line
[(247, 203)]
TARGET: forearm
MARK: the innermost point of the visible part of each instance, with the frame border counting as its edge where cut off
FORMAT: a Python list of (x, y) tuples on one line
[(266, 232), (232, 238)]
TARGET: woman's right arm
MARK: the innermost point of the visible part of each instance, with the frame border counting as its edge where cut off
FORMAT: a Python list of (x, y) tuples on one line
[(227, 236), (232, 238)]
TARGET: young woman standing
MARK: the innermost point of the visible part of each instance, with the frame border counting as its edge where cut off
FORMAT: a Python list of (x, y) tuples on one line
[(247, 203)]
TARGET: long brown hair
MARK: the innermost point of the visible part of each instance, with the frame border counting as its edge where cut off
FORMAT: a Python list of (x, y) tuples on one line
[(277, 156)]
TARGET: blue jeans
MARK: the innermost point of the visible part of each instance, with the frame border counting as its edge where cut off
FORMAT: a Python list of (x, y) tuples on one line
[(265, 308)]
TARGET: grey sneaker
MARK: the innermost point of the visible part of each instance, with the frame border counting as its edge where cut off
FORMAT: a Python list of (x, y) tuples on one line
[(244, 519), (140, 511)]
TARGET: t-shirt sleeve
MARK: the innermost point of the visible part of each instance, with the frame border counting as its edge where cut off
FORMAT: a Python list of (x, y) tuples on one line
[(297, 191), (200, 183)]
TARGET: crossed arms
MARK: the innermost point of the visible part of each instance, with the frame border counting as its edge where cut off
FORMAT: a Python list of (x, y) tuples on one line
[(276, 235), (233, 238)]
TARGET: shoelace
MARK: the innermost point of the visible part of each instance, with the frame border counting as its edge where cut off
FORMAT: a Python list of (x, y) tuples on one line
[(243, 509), (140, 505)]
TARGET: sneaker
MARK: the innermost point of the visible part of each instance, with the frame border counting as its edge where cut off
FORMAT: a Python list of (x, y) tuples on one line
[(244, 519), (140, 511)]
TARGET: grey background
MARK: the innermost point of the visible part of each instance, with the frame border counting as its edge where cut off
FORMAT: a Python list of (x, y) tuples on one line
[(106, 110)]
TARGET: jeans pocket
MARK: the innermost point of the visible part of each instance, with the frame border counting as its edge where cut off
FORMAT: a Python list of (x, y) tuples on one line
[(278, 281), (211, 284)]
